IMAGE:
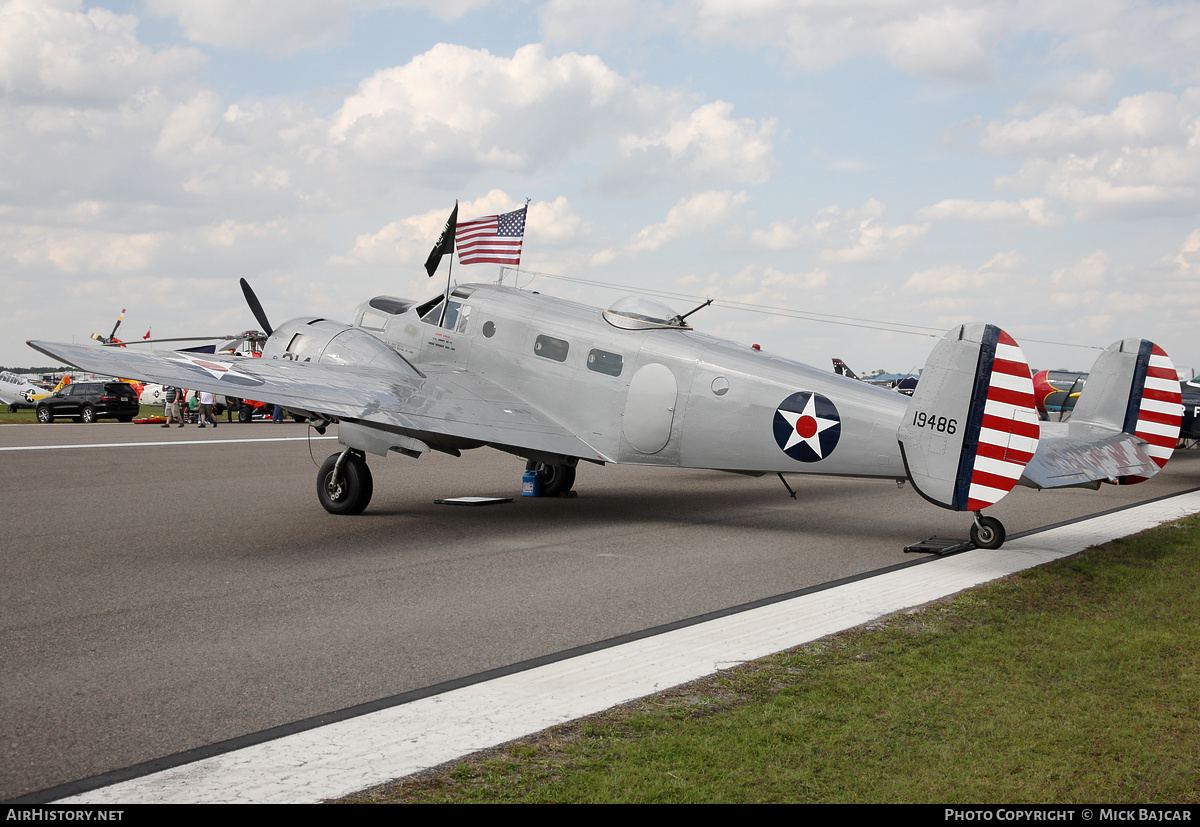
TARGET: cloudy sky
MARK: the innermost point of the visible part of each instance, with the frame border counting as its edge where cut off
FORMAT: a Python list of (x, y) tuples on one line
[(1031, 164)]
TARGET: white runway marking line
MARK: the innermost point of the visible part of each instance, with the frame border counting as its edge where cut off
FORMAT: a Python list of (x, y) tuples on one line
[(156, 444), (352, 755)]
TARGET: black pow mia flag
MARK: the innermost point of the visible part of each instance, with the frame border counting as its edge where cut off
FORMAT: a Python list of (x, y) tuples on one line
[(445, 243)]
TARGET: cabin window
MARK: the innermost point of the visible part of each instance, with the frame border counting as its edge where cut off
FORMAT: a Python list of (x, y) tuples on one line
[(393, 307), (373, 320), (431, 310), (489, 329), (457, 315), (551, 348), (602, 361)]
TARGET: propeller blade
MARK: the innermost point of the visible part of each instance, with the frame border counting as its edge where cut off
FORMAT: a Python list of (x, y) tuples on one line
[(171, 339), (118, 324), (256, 307)]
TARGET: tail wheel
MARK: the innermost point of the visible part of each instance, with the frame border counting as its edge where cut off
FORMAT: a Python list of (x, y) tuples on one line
[(44, 415), (554, 479), (87, 414), (987, 532), (348, 491)]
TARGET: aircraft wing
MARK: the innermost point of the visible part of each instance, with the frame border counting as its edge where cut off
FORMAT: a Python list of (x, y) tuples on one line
[(442, 401)]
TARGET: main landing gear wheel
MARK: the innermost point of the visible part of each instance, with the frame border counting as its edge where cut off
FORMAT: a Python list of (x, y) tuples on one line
[(345, 490), (554, 479), (987, 532)]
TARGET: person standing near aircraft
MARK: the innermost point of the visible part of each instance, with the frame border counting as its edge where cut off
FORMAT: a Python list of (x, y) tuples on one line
[(171, 395), (206, 409)]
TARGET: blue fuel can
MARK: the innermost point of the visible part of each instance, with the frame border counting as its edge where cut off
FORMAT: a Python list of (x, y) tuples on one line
[(531, 486)]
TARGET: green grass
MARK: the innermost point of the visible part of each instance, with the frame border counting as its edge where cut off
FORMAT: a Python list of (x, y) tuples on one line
[(1078, 681), (26, 415)]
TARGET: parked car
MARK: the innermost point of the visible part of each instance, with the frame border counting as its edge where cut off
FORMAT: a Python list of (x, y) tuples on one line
[(89, 401)]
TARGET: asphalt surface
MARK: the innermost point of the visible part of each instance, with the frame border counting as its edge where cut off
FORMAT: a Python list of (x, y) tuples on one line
[(162, 597)]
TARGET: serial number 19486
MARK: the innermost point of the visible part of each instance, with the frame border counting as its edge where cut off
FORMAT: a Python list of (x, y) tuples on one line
[(940, 424)]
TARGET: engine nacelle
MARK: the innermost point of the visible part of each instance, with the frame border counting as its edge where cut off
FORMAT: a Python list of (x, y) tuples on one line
[(331, 343)]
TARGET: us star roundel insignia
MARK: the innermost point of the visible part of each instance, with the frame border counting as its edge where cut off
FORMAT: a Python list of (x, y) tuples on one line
[(807, 426)]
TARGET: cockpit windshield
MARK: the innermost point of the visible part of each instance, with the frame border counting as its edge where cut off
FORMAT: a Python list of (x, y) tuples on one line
[(642, 313)]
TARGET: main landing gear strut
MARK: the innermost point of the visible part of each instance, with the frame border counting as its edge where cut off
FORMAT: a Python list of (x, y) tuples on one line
[(344, 484)]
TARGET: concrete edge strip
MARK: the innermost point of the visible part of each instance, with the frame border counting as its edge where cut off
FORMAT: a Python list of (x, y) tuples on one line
[(344, 752)]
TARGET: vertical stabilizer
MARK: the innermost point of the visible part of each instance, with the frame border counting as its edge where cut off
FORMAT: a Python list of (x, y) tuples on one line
[(972, 425), (1133, 388)]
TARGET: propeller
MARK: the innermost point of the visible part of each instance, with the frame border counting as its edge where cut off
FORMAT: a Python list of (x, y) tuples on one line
[(256, 307), (252, 335), (113, 335)]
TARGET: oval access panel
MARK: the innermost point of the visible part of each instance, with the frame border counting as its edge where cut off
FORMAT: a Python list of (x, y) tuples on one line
[(650, 408)]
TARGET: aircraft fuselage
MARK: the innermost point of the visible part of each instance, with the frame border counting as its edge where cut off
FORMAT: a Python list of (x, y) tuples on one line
[(664, 396)]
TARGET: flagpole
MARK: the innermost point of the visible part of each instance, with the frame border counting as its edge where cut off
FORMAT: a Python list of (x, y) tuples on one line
[(517, 279), (446, 298)]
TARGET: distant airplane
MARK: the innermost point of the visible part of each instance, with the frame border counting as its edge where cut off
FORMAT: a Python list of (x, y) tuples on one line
[(555, 382), (1190, 391), (1057, 391), (18, 392), (842, 369), (905, 384)]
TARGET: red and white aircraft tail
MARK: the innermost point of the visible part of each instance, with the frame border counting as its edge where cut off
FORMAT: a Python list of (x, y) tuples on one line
[(972, 431)]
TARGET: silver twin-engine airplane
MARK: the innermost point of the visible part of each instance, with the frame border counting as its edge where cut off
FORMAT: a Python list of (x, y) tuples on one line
[(556, 382)]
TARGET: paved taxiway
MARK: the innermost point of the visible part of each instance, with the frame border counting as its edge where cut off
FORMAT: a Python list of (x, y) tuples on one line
[(164, 597)]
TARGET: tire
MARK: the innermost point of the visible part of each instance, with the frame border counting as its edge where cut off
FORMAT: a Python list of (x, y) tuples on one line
[(44, 415), (87, 415), (243, 414), (987, 533), (554, 479), (354, 490), (12, 408), (299, 418)]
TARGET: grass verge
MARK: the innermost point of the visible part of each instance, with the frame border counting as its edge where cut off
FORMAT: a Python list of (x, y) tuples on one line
[(1077, 681), (27, 416)]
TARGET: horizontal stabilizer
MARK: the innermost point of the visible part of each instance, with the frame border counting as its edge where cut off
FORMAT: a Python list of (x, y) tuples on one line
[(1125, 425), (1085, 462), (971, 426)]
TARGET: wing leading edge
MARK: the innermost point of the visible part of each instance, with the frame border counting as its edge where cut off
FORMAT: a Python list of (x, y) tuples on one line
[(445, 403)]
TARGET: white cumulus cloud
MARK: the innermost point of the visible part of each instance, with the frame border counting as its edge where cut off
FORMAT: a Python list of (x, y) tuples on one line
[(692, 215), (1141, 158), (1034, 211)]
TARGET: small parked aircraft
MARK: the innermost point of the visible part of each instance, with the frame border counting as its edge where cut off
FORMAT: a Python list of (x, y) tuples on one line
[(18, 392), (555, 382)]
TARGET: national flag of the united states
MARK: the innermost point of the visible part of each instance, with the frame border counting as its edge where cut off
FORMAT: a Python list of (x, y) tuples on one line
[(494, 239)]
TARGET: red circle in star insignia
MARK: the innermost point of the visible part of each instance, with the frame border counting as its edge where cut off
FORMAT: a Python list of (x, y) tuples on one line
[(806, 426)]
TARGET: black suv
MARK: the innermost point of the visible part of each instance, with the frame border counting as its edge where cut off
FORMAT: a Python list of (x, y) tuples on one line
[(89, 401)]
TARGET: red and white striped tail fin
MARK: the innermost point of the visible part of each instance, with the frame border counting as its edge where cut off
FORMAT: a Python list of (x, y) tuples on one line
[(1159, 412), (972, 425), (1009, 429)]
